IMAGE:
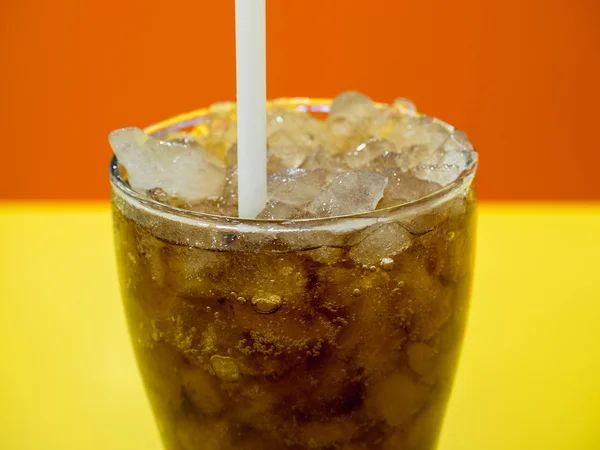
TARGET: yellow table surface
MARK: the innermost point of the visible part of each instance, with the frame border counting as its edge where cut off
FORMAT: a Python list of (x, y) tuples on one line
[(529, 377)]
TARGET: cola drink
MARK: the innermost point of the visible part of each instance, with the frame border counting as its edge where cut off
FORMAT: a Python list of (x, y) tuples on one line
[(336, 320)]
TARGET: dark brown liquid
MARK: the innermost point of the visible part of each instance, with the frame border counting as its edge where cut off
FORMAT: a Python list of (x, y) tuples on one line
[(298, 350)]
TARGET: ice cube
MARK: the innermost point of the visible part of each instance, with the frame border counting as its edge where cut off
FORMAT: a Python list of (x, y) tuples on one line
[(417, 130), (189, 433), (181, 170), (379, 242), (326, 255), (385, 162), (283, 152), (289, 148), (334, 433), (298, 186), (404, 106), (421, 357), (442, 174), (221, 117), (322, 158), (220, 128), (199, 388), (450, 152), (211, 206), (405, 187), (231, 157), (359, 158), (462, 137), (456, 150), (435, 311), (219, 145), (349, 193), (283, 276), (395, 441), (384, 120), (284, 120), (425, 222), (181, 138), (303, 129), (425, 428), (190, 273), (351, 106), (351, 121), (229, 198), (413, 155), (286, 138), (346, 136), (397, 398), (278, 119), (276, 210)]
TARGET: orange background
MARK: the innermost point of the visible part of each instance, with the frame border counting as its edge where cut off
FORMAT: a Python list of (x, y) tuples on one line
[(522, 78)]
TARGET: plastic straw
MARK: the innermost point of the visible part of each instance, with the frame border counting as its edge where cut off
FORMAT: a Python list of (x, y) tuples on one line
[(250, 27)]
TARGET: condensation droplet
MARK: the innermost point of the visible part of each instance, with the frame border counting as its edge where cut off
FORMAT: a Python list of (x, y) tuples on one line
[(216, 315), (225, 367), (208, 309), (387, 264), (372, 268), (241, 300), (266, 303), (356, 292)]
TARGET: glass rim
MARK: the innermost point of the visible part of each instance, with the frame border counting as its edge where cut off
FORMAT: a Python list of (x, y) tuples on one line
[(300, 103)]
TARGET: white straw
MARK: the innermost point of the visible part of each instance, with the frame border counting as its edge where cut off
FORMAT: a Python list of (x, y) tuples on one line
[(250, 28)]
